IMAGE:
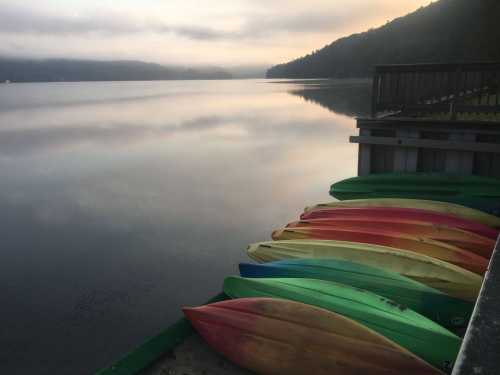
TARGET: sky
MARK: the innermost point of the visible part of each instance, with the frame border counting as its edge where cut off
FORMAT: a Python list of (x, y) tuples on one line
[(187, 32)]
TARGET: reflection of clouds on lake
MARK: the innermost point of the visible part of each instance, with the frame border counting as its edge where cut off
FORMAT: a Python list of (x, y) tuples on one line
[(107, 206), (31, 141), (128, 120)]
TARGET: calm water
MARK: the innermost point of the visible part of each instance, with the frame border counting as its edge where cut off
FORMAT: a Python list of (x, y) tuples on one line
[(121, 202)]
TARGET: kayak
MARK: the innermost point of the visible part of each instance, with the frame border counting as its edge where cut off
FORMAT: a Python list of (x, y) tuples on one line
[(421, 336), (446, 277), (473, 242), (404, 214), (435, 206), (281, 337), (482, 193), (435, 249), (431, 303)]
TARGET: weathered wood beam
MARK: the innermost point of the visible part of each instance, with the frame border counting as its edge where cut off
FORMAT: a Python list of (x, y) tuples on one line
[(480, 351), (460, 126), (427, 143), (437, 67)]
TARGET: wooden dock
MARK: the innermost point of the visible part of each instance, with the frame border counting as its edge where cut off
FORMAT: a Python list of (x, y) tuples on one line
[(442, 118), (432, 118)]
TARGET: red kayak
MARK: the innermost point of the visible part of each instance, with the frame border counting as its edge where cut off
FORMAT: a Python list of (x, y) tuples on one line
[(473, 242), (435, 249), (282, 337), (379, 213)]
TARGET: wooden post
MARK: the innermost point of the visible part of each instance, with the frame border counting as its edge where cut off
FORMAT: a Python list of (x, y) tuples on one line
[(405, 158), (375, 93), (460, 162), (364, 155)]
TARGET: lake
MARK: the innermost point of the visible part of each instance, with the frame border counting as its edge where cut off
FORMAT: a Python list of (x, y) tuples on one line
[(120, 202)]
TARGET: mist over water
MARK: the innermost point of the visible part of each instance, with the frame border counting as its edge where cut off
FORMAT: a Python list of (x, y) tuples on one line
[(122, 202)]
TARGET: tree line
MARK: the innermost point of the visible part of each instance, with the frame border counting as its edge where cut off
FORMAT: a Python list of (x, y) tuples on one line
[(444, 31)]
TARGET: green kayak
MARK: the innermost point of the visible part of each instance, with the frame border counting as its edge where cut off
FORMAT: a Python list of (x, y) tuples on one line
[(420, 335), (435, 305), (472, 191)]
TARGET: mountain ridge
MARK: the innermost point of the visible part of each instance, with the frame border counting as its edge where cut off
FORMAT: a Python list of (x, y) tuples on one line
[(443, 31), (75, 70)]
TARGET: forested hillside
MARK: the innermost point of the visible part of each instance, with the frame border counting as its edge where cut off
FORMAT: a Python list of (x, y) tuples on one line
[(444, 31), (57, 70)]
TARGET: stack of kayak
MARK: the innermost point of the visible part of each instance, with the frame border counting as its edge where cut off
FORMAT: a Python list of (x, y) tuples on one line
[(382, 281)]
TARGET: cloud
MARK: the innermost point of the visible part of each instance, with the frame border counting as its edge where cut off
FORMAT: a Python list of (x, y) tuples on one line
[(228, 32), (303, 22), (22, 20), (27, 21), (195, 32)]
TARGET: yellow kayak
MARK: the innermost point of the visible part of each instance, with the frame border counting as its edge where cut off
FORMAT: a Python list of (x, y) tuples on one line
[(446, 277), (441, 207)]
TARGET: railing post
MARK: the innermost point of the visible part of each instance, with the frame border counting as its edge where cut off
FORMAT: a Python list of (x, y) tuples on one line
[(375, 92), (447, 89)]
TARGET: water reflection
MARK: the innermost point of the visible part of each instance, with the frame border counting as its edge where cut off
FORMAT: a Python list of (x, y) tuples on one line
[(351, 97), (121, 202)]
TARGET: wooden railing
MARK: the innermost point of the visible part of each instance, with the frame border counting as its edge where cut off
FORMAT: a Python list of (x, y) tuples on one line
[(442, 88)]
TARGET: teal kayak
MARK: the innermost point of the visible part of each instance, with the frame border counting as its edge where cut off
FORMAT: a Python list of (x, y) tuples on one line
[(472, 191), (443, 309), (414, 332)]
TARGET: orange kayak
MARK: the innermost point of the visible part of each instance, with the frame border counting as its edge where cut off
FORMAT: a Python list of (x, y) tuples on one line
[(473, 242), (436, 249)]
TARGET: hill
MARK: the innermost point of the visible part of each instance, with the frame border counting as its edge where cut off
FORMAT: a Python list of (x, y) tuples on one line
[(59, 70), (444, 31)]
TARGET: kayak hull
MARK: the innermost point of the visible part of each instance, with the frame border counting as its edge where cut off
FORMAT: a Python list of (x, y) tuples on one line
[(473, 242), (424, 338), (446, 277), (435, 249), (403, 214), (446, 208), (472, 191), (279, 337), (433, 304)]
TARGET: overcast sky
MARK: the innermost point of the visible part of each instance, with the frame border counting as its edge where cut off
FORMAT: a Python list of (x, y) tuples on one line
[(188, 32)]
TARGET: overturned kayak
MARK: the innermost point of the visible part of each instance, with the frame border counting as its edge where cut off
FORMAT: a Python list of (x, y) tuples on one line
[(281, 337), (422, 204), (403, 214), (482, 193), (433, 304), (435, 249), (473, 242), (446, 277), (421, 336)]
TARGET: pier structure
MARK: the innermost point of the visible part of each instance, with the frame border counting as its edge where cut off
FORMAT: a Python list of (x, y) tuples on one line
[(442, 118), (432, 118)]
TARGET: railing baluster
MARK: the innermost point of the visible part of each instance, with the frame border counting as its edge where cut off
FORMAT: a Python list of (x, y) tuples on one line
[(425, 88)]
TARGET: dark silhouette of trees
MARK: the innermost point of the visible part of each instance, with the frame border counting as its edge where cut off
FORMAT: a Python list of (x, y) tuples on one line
[(444, 31), (58, 70)]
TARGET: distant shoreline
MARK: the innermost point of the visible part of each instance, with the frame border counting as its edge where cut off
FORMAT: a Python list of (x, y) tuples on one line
[(17, 70), (3, 83)]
